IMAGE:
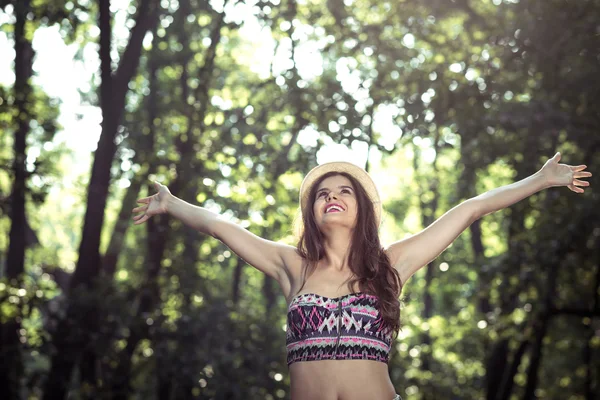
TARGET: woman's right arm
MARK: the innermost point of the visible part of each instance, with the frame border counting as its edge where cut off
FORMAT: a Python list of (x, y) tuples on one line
[(269, 257)]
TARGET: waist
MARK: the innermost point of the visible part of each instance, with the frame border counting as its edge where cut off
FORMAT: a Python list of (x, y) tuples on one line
[(341, 379), (329, 368)]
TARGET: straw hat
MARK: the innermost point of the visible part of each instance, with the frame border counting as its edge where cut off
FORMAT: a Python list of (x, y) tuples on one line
[(340, 166)]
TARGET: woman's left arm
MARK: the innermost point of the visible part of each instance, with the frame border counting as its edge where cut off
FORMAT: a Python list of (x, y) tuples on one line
[(551, 174), (411, 254)]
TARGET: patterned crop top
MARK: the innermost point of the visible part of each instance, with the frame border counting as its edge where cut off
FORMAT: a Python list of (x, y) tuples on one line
[(348, 327)]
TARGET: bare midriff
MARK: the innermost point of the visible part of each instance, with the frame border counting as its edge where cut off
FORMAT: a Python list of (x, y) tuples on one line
[(340, 380)]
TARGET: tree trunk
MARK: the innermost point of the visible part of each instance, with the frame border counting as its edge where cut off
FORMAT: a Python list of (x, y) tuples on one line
[(91, 368), (494, 367), (149, 295), (15, 263), (11, 367), (156, 227), (428, 212), (505, 390), (157, 233), (191, 167), (113, 92), (82, 316), (536, 356), (542, 323), (497, 358), (590, 393)]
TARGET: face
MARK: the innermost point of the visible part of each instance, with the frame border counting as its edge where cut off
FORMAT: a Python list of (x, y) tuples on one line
[(335, 202)]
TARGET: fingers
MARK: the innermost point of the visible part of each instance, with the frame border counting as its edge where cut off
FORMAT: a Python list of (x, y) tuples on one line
[(557, 157), (582, 174), (577, 168), (140, 208), (580, 183), (143, 219), (137, 217), (145, 200), (575, 189)]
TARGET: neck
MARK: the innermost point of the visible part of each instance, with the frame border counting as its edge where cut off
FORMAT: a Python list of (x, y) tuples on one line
[(337, 249)]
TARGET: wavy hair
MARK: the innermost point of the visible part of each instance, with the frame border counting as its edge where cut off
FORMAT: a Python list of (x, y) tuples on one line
[(367, 259)]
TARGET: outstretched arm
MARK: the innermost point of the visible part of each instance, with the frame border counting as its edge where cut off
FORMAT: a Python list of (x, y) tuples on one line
[(551, 174), (269, 257), (414, 252)]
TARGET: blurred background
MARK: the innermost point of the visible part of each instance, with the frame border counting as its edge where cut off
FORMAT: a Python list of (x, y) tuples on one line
[(229, 103)]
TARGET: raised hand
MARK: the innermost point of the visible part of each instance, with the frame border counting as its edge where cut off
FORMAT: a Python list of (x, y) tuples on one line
[(565, 175), (153, 205)]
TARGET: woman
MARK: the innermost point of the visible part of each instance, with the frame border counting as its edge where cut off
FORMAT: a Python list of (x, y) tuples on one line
[(339, 338)]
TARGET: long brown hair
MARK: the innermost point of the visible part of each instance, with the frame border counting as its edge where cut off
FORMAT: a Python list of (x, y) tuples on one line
[(368, 261)]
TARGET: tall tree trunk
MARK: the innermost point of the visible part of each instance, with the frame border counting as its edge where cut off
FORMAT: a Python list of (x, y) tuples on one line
[(157, 232), (149, 295), (504, 391), (428, 213), (156, 228), (466, 189), (495, 364), (15, 263), (83, 316), (553, 263), (91, 367), (501, 381), (11, 366), (113, 91), (164, 383), (536, 355), (189, 167), (497, 357), (282, 163), (590, 393)]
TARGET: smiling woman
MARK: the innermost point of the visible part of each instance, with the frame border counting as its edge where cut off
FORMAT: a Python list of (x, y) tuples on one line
[(339, 341)]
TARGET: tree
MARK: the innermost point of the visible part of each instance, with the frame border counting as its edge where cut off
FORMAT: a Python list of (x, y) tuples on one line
[(113, 90)]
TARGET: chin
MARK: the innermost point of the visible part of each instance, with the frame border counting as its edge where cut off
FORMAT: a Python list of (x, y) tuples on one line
[(328, 226)]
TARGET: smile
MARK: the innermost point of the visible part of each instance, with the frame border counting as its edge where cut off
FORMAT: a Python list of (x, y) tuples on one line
[(334, 208)]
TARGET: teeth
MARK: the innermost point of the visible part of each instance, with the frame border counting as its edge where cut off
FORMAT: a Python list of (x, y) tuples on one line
[(334, 208)]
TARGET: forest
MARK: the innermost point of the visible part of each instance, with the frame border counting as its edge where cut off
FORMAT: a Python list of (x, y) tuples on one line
[(230, 103)]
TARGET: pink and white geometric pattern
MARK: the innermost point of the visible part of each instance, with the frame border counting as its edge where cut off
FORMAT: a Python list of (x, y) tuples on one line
[(312, 328)]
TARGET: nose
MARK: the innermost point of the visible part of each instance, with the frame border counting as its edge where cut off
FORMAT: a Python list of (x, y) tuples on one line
[(331, 195)]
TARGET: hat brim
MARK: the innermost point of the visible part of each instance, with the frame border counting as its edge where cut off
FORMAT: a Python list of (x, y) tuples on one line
[(340, 166)]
